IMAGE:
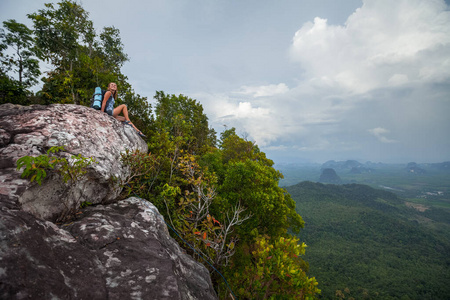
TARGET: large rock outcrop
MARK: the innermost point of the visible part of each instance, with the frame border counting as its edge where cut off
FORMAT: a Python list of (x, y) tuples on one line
[(116, 251), (112, 250), (32, 130)]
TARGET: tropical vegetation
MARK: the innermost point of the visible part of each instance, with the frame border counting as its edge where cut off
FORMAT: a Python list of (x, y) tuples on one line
[(220, 195), (365, 243)]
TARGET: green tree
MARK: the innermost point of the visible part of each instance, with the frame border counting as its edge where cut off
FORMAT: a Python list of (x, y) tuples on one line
[(214, 237), (183, 117), (81, 59), (246, 176), (277, 271), (11, 91), (60, 33), (99, 64), (21, 60), (235, 148), (112, 49), (179, 126), (255, 186)]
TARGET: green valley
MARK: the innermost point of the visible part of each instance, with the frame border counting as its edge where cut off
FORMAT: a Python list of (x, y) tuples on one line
[(366, 243)]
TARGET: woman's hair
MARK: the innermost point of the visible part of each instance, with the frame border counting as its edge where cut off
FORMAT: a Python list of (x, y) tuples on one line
[(115, 92)]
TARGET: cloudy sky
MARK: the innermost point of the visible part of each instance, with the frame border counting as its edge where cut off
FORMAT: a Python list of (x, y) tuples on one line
[(307, 80)]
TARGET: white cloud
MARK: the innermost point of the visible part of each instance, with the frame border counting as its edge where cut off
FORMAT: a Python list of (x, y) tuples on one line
[(259, 122), (380, 134), (382, 43), (398, 79), (388, 64), (264, 90)]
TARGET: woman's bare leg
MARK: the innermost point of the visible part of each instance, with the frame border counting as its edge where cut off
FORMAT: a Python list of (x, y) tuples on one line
[(121, 109), (124, 110)]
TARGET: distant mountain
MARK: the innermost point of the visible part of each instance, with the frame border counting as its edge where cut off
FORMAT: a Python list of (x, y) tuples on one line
[(444, 166), (365, 243), (375, 174), (341, 165), (361, 170), (353, 166), (414, 168), (329, 176), (370, 164)]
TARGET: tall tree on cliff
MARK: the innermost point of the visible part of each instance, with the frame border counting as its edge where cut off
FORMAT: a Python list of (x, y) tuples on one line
[(22, 61), (67, 40)]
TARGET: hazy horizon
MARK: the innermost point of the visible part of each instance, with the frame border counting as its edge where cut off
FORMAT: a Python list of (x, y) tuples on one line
[(308, 81), (363, 162)]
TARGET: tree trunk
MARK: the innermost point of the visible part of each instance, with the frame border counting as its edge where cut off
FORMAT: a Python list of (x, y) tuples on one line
[(74, 99)]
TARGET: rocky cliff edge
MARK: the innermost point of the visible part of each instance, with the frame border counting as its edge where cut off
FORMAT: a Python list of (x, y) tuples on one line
[(113, 249)]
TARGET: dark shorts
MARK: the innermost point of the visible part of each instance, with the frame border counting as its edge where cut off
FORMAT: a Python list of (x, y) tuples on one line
[(109, 112)]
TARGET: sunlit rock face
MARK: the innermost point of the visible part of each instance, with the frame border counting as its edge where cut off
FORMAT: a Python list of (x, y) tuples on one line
[(110, 250), (32, 130)]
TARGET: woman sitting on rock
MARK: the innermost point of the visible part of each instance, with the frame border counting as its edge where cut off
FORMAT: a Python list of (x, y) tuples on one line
[(108, 107)]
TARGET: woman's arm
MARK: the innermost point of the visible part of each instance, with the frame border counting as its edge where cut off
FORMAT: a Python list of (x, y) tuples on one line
[(107, 95)]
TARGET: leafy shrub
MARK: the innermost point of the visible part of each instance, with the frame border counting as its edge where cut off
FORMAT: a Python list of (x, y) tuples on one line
[(277, 271), (36, 167), (71, 171)]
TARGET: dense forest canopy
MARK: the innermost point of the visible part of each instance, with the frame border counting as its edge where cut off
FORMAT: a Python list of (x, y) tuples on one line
[(220, 194), (364, 243)]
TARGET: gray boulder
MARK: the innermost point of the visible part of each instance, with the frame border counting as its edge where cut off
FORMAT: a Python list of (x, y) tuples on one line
[(116, 251), (32, 130)]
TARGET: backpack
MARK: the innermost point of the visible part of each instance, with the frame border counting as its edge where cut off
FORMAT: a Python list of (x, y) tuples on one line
[(97, 98)]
